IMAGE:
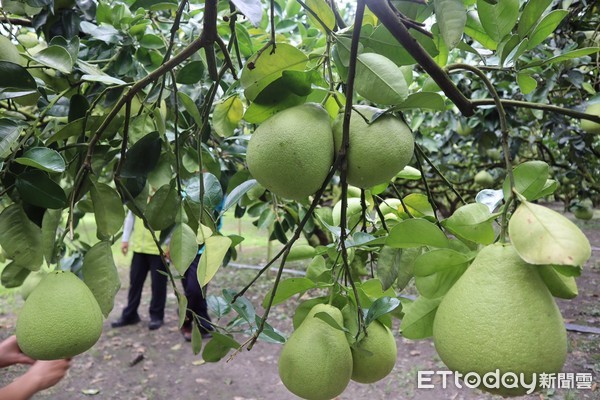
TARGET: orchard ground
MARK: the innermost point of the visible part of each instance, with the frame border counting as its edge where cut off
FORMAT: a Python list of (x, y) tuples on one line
[(133, 363)]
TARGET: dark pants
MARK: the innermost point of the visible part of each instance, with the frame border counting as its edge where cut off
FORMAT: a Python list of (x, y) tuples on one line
[(140, 265), (195, 297)]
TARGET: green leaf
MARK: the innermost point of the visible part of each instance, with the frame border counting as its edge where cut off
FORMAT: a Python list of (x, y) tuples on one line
[(561, 286), (437, 270), (182, 307), (526, 82), (269, 67), (9, 134), (191, 73), (42, 158), (549, 187), (183, 247), (381, 41), (218, 347), (35, 187), (419, 206), (258, 113), (472, 222), (20, 238), (416, 232), (388, 262), (151, 41), (215, 249), (287, 288), (317, 271), (190, 107), (530, 178), (163, 207), (409, 173), (406, 266), (13, 275), (196, 338), (78, 107), (499, 19), (15, 81), (420, 100), (381, 307), (101, 276), (252, 9), (532, 12), (379, 80), (546, 26), (542, 236), (227, 116), (418, 318), (108, 210), (236, 194), (569, 55), (56, 57), (474, 29), (329, 320), (103, 78), (142, 157), (50, 223), (323, 12), (451, 16)]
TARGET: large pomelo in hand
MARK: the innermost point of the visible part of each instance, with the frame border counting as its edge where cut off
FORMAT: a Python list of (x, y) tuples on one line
[(291, 153), (60, 318), (378, 150), (500, 315), (316, 361)]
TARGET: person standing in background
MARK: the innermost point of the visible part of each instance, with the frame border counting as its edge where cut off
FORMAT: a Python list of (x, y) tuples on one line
[(146, 258)]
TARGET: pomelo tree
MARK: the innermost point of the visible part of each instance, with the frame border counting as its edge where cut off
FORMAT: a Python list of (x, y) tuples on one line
[(150, 105)]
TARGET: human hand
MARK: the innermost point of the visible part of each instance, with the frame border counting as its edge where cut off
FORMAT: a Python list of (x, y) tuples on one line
[(44, 374), (10, 353), (124, 248)]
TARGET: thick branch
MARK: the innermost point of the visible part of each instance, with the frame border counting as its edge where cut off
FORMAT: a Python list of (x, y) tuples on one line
[(390, 19), (538, 106)]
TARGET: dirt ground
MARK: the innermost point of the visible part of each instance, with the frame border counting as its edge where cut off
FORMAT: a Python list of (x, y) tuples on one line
[(133, 363)]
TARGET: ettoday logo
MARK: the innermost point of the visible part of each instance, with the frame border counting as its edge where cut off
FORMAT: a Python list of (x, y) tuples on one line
[(495, 380)]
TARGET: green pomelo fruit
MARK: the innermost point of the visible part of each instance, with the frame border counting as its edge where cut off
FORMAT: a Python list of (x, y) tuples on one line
[(590, 126), (463, 129), (500, 316), (559, 285), (378, 151), (316, 361), (374, 356), (60, 319), (484, 179), (301, 252), (584, 210), (353, 208), (31, 282), (291, 153)]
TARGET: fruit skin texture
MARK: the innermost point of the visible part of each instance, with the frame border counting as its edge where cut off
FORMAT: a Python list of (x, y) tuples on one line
[(589, 126), (500, 315), (374, 356), (316, 361), (377, 151), (291, 153), (60, 319)]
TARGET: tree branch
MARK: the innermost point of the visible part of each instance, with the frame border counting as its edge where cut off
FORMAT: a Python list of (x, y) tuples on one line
[(538, 106), (388, 16)]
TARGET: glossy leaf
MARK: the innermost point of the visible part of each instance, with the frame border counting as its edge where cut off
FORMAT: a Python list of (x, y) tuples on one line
[(381, 307), (191, 73), (546, 26), (474, 29), (323, 12), (42, 158), (388, 262), (499, 19), (542, 236), (50, 224), (287, 288), (236, 194), (108, 210), (215, 249), (379, 80), (9, 134), (526, 83), (451, 16), (196, 338), (269, 67), (252, 9), (437, 270), (416, 232), (190, 107), (532, 12), (227, 116), (163, 207), (101, 276), (13, 275), (55, 57), (20, 238), (183, 247), (35, 187), (419, 100), (471, 222), (418, 318), (142, 157), (530, 178)]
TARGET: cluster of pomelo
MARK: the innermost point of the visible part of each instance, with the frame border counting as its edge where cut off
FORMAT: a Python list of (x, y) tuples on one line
[(292, 152), (318, 361)]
